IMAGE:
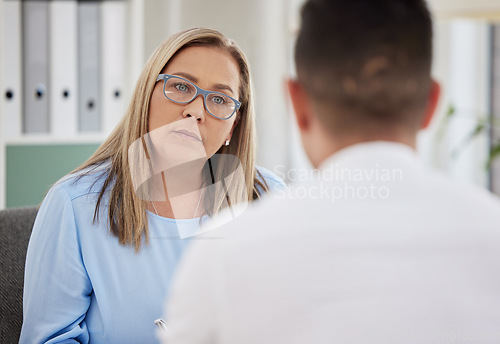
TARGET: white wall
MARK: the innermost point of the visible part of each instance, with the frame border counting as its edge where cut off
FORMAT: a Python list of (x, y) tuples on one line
[(461, 66), (465, 8)]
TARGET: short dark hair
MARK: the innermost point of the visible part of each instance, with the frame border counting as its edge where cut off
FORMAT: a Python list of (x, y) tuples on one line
[(366, 61)]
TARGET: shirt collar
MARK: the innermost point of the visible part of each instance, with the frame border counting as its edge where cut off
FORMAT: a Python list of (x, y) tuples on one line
[(371, 152)]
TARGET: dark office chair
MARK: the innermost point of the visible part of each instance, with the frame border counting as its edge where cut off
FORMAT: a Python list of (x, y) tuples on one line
[(15, 231)]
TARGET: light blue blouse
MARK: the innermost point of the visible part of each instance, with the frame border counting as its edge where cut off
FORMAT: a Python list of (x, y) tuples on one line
[(81, 285)]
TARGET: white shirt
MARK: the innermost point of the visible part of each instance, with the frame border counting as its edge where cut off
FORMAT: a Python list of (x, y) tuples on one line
[(378, 250)]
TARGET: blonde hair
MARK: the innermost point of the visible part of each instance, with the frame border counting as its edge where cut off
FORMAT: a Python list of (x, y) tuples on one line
[(127, 211)]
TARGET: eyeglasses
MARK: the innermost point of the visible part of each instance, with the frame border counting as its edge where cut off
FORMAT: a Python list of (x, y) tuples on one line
[(183, 91)]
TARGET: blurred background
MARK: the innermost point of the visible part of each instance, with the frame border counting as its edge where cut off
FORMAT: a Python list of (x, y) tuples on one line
[(69, 68)]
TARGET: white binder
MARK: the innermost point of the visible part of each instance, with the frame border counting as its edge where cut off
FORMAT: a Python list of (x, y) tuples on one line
[(63, 67), (11, 69), (35, 19), (113, 57), (89, 67)]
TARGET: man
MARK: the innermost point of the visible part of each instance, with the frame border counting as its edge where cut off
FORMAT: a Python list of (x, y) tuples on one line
[(377, 249)]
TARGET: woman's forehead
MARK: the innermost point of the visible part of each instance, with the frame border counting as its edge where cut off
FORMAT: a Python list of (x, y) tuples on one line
[(207, 65)]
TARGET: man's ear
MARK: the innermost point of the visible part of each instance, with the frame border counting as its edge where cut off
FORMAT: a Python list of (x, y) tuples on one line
[(301, 104), (432, 102)]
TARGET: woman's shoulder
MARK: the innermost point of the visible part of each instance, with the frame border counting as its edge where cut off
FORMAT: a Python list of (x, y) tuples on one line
[(273, 181), (84, 182)]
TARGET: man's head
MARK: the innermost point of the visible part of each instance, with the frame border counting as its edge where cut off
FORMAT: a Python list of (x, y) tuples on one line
[(363, 70)]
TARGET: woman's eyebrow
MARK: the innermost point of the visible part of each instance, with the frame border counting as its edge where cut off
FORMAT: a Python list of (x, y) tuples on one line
[(188, 76), (222, 87), (192, 78)]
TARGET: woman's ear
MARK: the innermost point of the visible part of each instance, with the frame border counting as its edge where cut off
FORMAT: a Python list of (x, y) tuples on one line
[(236, 121)]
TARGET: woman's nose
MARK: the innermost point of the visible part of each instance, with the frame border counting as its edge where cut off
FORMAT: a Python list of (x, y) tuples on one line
[(195, 109)]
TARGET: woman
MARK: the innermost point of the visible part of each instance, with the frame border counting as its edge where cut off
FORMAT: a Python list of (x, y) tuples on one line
[(108, 236)]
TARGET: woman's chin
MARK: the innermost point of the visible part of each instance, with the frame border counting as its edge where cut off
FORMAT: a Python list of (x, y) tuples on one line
[(177, 154)]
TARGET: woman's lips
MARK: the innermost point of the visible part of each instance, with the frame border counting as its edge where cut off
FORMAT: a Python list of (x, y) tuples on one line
[(188, 134)]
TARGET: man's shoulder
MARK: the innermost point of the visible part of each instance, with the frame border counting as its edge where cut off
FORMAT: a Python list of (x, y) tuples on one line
[(463, 193)]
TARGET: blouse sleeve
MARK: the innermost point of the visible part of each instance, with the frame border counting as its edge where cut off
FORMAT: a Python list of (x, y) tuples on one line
[(273, 182), (57, 288)]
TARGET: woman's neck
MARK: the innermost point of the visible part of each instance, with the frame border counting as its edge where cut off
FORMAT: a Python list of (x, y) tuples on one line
[(177, 194)]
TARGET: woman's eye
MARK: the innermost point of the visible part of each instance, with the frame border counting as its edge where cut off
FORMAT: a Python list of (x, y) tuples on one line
[(218, 100), (182, 87)]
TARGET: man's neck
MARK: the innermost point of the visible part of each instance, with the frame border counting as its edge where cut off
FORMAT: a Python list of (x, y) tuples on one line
[(334, 145)]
